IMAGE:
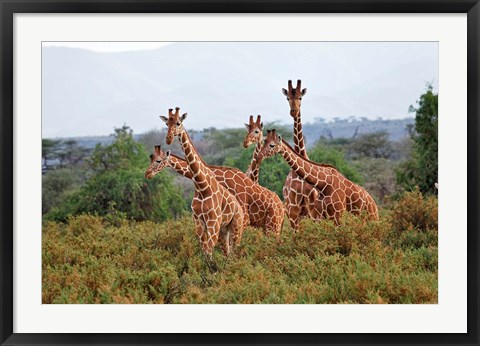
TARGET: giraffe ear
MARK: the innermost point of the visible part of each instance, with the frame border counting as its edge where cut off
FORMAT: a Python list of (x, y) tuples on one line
[(151, 156), (304, 91), (183, 117), (247, 127), (285, 92), (167, 153), (164, 119), (279, 137), (261, 125)]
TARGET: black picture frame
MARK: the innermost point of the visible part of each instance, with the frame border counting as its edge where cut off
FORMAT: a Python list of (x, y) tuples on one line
[(10, 7)]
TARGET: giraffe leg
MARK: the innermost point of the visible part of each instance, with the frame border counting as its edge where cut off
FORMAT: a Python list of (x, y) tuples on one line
[(274, 223), (293, 212), (209, 238), (235, 228), (200, 230), (225, 242)]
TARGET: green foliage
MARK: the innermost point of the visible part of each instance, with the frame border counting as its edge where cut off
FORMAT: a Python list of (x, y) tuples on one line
[(57, 185), (118, 187), (49, 148), (325, 154), (67, 152), (156, 199), (273, 172), (375, 145), (379, 176), (415, 212), (71, 153), (91, 260), (422, 169), (123, 153)]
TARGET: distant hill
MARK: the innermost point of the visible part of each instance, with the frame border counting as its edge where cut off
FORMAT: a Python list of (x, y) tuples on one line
[(339, 128), (347, 128), (221, 84)]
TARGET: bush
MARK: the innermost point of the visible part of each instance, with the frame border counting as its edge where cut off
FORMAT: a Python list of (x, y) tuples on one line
[(57, 185), (88, 260), (324, 154), (415, 212), (126, 192)]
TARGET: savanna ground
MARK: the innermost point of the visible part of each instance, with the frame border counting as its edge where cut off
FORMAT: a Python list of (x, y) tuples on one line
[(110, 259)]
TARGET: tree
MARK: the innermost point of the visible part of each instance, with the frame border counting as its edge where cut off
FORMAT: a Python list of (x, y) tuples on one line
[(379, 176), (49, 150), (324, 154), (117, 183), (375, 144), (123, 153), (422, 169), (57, 185)]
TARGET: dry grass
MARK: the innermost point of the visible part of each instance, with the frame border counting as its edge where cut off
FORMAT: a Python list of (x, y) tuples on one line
[(394, 260)]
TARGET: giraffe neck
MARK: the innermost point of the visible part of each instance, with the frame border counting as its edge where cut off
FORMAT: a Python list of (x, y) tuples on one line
[(253, 170), (202, 181), (181, 166), (315, 175), (298, 139)]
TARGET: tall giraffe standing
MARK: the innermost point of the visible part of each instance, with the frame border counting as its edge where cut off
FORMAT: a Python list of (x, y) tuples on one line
[(337, 192), (254, 136), (216, 212), (262, 206), (301, 199)]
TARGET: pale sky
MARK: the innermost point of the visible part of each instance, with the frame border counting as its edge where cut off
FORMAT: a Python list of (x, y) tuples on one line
[(221, 83), (108, 47)]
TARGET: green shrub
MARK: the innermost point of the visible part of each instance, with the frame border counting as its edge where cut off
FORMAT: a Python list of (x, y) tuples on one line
[(415, 212), (90, 260), (324, 154)]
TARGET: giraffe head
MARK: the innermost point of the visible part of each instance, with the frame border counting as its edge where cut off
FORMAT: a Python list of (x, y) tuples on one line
[(174, 124), (272, 145), (294, 97), (158, 161), (254, 134)]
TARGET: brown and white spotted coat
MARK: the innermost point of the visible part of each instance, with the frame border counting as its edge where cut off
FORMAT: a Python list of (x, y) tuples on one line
[(254, 136), (263, 207), (301, 199), (217, 215), (337, 192)]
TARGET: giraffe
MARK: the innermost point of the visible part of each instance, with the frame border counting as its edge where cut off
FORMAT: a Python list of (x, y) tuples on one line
[(337, 192), (301, 199), (217, 215), (263, 208), (254, 135)]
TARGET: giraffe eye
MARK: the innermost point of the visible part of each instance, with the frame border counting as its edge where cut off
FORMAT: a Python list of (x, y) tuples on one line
[(178, 123), (272, 145), (159, 161), (257, 132), (300, 98), (288, 98)]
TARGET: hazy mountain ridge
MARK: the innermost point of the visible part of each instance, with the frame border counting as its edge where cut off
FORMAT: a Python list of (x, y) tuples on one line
[(341, 128), (86, 92)]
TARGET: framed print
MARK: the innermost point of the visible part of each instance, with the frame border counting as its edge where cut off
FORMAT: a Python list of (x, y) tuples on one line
[(250, 173)]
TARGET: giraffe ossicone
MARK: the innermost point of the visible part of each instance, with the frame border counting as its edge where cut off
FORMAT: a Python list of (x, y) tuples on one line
[(262, 207), (254, 136), (217, 215), (301, 199)]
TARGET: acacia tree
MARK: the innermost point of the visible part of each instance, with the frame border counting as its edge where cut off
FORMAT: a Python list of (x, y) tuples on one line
[(422, 169), (374, 144), (116, 183)]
